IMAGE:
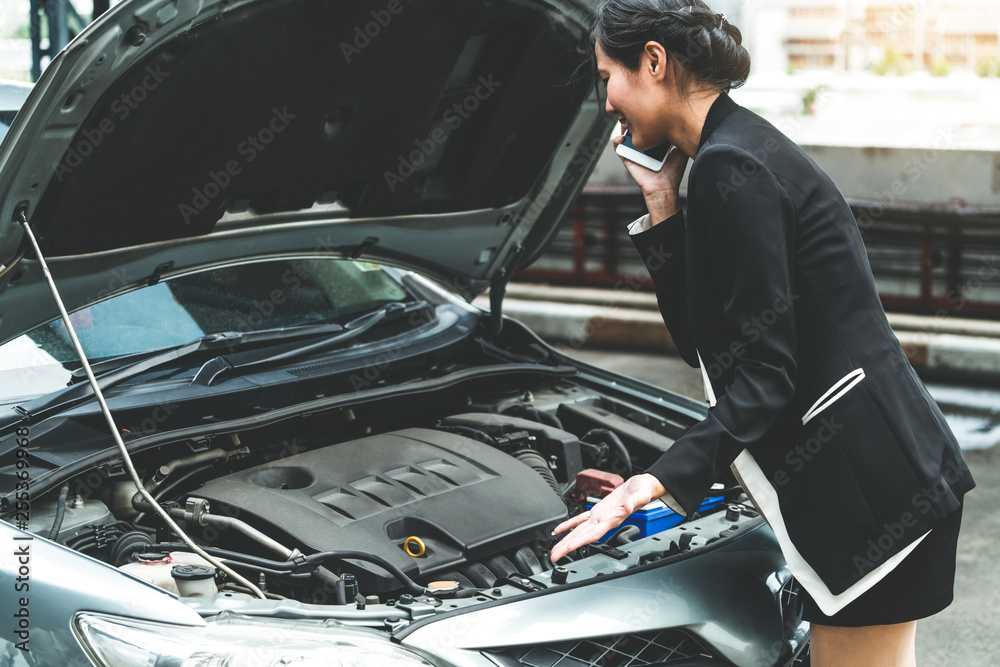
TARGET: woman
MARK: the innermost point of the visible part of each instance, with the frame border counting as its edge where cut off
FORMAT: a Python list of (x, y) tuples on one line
[(765, 283)]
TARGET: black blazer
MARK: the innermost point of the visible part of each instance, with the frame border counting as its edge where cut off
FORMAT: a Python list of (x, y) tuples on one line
[(767, 277)]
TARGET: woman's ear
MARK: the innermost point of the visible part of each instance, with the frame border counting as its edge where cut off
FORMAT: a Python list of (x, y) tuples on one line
[(656, 61)]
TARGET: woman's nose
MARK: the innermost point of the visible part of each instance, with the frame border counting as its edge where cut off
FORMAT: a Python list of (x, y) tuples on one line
[(608, 107)]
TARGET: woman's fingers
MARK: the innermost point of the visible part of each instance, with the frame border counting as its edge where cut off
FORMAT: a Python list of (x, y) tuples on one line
[(606, 515), (590, 525), (673, 168), (583, 534), (571, 522)]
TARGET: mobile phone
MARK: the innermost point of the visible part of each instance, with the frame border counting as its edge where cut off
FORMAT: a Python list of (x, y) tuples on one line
[(650, 159)]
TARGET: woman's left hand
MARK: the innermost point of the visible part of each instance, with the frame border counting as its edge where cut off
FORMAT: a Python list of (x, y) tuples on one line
[(607, 514)]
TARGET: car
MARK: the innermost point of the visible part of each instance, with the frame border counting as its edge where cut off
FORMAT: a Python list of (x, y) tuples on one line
[(263, 224)]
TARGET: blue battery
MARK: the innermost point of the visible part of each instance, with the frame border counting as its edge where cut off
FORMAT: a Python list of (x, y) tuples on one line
[(656, 517)]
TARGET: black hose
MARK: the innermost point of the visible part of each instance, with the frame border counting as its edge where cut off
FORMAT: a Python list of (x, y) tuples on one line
[(331, 580), (624, 535), (611, 438), (173, 485), (533, 459), (168, 468), (60, 512), (468, 431), (316, 559), (537, 415), (467, 592), (164, 471)]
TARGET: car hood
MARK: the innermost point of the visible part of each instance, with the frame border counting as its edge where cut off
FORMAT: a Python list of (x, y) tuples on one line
[(448, 136)]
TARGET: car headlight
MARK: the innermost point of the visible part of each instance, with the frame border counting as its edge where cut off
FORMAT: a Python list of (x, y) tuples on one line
[(232, 640)]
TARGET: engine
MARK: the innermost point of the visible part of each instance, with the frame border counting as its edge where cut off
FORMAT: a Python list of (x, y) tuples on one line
[(420, 493), (429, 501)]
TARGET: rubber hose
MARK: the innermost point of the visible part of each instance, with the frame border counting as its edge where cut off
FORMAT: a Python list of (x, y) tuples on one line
[(164, 471), (60, 512), (624, 535), (541, 417), (314, 559), (332, 581), (532, 458), (173, 485), (611, 438)]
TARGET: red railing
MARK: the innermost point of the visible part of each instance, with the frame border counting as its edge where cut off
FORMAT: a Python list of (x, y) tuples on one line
[(925, 259)]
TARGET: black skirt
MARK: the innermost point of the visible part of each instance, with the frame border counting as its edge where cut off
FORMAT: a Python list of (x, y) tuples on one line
[(921, 585)]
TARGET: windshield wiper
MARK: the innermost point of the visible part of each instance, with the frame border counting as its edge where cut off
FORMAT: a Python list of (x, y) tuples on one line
[(145, 361), (113, 372), (216, 368)]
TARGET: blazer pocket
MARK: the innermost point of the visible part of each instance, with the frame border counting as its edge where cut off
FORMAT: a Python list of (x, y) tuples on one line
[(830, 396)]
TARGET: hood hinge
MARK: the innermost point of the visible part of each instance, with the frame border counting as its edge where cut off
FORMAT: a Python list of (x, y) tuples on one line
[(366, 245), (498, 287)]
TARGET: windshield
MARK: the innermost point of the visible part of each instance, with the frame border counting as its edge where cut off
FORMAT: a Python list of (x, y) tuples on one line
[(275, 294)]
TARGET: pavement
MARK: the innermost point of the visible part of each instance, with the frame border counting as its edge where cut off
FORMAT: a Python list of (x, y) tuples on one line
[(939, 347)]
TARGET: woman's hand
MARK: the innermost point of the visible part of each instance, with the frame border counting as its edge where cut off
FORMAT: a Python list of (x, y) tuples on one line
[(607, 514), (659, 188)]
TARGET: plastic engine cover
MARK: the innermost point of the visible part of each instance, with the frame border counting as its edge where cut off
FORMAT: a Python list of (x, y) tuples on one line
[(465, 500)]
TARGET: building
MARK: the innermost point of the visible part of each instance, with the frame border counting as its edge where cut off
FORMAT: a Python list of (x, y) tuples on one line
[(857, 35)]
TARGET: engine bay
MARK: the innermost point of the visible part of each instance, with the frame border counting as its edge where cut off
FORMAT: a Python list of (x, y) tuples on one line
[(414, 499)]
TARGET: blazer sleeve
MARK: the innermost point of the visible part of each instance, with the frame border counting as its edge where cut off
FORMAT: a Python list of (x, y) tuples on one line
[(751, 227), (662, 249)]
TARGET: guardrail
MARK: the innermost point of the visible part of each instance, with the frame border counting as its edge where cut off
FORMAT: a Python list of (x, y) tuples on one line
[(925, 260)]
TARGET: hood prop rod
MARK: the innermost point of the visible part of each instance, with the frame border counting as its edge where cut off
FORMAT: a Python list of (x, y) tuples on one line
[(21, 217)]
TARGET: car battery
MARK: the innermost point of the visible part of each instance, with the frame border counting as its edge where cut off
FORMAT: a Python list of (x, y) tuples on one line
[(655, 517)]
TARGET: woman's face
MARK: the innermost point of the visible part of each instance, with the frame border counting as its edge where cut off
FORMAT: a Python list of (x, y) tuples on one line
[(642, 100)]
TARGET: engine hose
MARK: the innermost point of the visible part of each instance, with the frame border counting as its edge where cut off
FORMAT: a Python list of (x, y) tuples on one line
[(624, 535), (163, 472), (537, 415), (473, 433), (467, 592), (316, 559), (173, 485), (611, 438), (533, 459), (332, 581), (60, 512)]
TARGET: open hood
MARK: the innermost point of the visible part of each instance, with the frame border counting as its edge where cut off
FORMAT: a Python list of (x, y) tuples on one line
[(448, 136)]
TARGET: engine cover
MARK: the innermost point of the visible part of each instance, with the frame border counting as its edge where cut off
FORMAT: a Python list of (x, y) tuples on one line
[(465, 500)]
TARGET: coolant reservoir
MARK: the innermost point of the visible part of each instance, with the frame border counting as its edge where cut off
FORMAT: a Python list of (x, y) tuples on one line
[(155, 568)]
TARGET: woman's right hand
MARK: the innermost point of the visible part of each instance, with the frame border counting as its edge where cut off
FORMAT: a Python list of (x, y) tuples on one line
[(659, 188), (607, 514)]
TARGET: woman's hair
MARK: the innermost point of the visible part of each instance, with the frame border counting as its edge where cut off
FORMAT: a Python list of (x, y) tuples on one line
[(708, 47)]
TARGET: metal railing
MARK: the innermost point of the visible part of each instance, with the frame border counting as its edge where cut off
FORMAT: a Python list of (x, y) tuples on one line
[(925, 260)]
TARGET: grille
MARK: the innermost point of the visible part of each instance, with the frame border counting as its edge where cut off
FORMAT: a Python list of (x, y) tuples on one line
[(658, 647)]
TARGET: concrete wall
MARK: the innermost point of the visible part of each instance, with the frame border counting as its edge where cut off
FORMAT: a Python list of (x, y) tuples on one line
[(932, 175)]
